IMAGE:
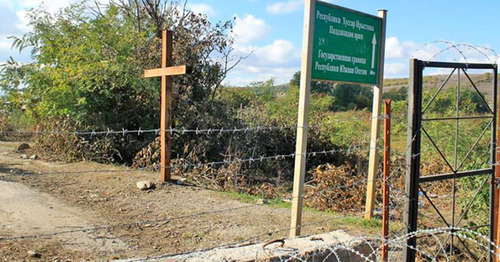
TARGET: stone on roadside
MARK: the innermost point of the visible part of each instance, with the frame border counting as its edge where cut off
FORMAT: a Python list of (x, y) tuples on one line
[(25, 156), (33, 253), (262, 201), (145, 185), (22, 147), (34, 157)]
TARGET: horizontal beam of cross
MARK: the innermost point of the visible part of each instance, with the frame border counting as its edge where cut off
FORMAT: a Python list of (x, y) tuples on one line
[(166, 71)]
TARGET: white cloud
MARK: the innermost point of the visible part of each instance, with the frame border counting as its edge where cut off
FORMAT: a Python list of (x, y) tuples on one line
[(23, 21), (242, 77), (393, 49), (6, 51), (421, 51), (396, 69), (7, 4), (281, 59), (202, 9), (253, 69), (20, 8), (278, 60), (398, 54), (249, 29), (52, 5), (279, 52), (5, 44), (284, 7), (450, 51)]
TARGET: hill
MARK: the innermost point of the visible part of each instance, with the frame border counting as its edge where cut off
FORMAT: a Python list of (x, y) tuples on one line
[(482, 81)]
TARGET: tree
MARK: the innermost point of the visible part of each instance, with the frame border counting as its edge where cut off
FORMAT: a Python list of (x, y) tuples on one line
[(351, 97), (88, 64), (317, 87), (88, 67), (347, 96), (399, 94)]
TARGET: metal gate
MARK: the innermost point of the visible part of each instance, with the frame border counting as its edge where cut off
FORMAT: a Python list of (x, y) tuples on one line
[(418, 120)]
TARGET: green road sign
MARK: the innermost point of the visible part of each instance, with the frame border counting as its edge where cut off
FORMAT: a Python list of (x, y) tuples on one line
[(346, 45)]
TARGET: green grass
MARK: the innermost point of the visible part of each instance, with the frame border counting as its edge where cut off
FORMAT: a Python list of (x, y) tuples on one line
[(371, 227), (348, 222), (363, 223), (246, 198), (275, 202)]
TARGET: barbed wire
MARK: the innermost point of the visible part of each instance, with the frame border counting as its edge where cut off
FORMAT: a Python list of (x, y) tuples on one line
[(373, 243), (233, 245), (155, 221), (198, 214), (155, 131), (235, 160), (114, 170), (457, 47), (138, 224), (182, 131)]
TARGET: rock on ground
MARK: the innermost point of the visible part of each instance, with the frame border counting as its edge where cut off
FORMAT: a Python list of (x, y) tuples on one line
[(145, 185), (34, 254), (22, 147), (331, 247)]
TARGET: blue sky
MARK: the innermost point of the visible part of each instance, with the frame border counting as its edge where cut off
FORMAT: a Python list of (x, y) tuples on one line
[(272, 29)]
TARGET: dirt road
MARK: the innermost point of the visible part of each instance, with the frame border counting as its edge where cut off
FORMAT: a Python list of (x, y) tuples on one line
[(26, 211), (39, 198)]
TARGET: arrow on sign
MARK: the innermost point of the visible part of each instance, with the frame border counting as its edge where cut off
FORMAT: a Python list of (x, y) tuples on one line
[(374, 43)]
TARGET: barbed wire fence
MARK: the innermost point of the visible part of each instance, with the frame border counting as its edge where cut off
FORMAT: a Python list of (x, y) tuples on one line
[(398, 196), (435, 250), (350, 149)]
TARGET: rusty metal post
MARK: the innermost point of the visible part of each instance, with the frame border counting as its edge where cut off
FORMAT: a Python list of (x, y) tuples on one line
[(387, 170), (35, 128)]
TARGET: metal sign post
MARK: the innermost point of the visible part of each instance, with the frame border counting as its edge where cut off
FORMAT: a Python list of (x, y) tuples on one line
[(339, 44), (375, 129), (301, 146)]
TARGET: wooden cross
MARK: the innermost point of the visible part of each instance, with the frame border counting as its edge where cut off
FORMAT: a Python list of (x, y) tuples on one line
[(166, 72)]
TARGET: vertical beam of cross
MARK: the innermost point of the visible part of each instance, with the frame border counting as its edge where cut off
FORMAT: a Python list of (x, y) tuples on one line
[(166, 72), (166, 106)]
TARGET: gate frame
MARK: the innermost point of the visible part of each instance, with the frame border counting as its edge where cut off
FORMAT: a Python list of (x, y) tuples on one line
[(413, 179)]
